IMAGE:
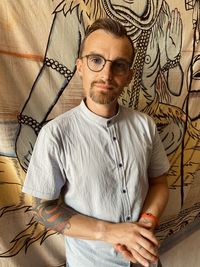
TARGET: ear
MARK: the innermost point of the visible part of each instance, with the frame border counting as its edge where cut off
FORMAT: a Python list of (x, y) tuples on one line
[(79, 66)]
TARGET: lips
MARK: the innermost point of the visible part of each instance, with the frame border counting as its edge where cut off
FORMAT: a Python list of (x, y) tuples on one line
[(103, 86)]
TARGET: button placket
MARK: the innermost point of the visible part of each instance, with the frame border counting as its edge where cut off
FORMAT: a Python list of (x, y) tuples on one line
[(121, 173)]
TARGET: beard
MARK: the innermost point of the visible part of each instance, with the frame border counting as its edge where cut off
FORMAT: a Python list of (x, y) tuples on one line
[(104, 97)]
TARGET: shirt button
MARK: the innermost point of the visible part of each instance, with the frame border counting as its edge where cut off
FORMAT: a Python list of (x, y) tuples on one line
[(108, 123), (124, 191), (120, 165), (114, 138), (128, 218)]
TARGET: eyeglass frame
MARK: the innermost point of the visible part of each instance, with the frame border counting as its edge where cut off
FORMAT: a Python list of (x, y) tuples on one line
[(123, 60)]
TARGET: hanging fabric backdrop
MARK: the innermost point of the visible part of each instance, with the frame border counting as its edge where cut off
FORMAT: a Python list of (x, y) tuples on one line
[(39, 44)]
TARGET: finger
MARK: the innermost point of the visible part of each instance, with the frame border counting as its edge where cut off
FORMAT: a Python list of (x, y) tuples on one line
[(175, 20), (147, 234), (142, 252), (168, 30), (171, 22), (148, 256), (178, 21), (117, 246), (128, 256), (147, 246), (180, 25), (120, 247), (125, 252), (150, 228), (146, 224), (25, 164), (139, 258), (150, 248)]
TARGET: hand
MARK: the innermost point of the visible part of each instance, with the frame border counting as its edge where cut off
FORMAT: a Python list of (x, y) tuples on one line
[(24, 145), (125, 252), (139, 244), (174, 35), (151, 225)]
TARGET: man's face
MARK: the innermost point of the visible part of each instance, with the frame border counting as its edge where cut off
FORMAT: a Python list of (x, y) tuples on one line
[(105, 86)]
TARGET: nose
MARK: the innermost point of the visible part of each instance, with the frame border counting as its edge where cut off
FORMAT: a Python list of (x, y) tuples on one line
[(106, 72)]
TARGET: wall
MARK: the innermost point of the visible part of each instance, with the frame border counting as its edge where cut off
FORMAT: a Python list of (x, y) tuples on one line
[(38, 48)]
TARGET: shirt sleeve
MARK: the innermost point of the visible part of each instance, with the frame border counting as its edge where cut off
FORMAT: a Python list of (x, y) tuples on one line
[(45, 176), (159, 163)]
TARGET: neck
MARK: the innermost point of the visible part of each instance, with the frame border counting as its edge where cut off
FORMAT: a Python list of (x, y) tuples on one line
[(103, 110)]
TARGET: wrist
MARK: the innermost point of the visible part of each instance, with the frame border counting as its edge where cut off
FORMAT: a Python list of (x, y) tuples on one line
[(102, 231), (29, 121), (149, 217)]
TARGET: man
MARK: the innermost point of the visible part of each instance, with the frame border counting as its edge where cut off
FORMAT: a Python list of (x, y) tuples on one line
[(97, 172)]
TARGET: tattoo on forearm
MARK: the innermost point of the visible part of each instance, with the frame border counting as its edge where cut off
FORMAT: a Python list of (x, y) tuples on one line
[(53, 215)]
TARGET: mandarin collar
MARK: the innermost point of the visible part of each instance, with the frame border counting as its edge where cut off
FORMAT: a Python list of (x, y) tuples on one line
[(87, 113)]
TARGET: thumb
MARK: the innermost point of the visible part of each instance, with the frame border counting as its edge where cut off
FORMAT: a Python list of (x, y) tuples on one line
[(145, 224)]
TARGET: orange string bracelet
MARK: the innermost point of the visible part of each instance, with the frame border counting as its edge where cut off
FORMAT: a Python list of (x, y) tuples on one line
[(150, 216)]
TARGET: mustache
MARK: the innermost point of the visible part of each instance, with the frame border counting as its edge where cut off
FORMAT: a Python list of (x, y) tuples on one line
[(103, 82)]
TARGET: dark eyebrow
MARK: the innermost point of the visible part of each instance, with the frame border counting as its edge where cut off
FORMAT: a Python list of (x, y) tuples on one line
[(94, 54), (118, 58), (122, 59)]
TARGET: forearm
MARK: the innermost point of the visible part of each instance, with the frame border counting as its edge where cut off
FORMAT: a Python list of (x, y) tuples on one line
[(44, 93), (175, 87), (58, 67), (157, 196), (64, 220)]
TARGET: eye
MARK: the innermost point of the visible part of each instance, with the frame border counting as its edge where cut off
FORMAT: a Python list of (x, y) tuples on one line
[(120, 65), (95, 59)]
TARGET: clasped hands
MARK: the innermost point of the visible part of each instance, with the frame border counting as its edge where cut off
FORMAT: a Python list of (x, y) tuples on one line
[(141, 246)]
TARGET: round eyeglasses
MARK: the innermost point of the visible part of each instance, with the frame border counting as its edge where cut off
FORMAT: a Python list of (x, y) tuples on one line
[(96, 63)]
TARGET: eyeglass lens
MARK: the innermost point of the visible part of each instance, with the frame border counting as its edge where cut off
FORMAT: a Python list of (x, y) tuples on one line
[(96, 63)]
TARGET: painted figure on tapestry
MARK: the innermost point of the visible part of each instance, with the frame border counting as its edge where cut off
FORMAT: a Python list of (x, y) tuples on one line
[(156, 31)]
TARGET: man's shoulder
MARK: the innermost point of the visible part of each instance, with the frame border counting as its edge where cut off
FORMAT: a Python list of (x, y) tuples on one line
[(136, 115)]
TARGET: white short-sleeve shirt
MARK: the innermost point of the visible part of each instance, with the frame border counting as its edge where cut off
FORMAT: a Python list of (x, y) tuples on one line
[(103, 165)]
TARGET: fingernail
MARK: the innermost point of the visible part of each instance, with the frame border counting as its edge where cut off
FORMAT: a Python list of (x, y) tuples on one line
[(146, 264)]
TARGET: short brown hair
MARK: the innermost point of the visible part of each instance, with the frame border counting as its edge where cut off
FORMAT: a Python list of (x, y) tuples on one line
[(109, 25)]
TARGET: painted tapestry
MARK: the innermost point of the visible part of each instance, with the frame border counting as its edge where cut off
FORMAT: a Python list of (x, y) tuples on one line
[(39, 44)]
